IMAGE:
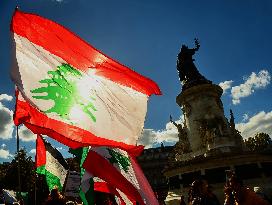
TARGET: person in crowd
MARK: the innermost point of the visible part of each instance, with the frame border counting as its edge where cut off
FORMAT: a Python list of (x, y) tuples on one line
[(208, 197), (2, 199), (21, 201), (237, 194), (55, 198), (201, 194), (182, 202), (259, 191), (194, 195)]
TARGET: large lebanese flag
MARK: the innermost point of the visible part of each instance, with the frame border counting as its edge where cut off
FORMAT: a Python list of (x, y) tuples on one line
[(72, 92)]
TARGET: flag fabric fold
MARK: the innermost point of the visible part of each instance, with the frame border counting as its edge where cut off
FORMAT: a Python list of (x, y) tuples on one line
[(120, 197), (104, 187), (50, 163), (89, 183), (86, 191), (121, 171), (72, 92)]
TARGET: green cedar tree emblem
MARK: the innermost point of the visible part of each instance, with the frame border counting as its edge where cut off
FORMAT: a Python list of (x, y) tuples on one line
[(118, 158), (62, 89)]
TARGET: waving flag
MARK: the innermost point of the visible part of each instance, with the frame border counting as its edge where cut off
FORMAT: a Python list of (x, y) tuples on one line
[(50, 162), (120, 171), (89, 183), (72, 92)]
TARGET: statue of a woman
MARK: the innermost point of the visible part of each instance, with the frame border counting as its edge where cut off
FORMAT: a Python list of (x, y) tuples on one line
[(188, 73)]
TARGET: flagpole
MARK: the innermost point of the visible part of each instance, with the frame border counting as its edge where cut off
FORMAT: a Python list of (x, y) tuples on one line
[(35, 194), (19, 171)]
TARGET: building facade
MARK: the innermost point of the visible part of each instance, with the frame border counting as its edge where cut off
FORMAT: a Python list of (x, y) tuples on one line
[(153, 161)]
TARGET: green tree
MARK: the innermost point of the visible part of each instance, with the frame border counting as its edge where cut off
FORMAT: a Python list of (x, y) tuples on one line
[(29, 179), (3, 171), (259, 142), (27, 172)]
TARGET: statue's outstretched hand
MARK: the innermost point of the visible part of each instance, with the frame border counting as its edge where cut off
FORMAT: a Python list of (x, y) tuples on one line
[(197, 44)]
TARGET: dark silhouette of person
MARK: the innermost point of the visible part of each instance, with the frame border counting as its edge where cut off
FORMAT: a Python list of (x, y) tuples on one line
[(201, 194), (182, 202), (55, 198), (236, 193)]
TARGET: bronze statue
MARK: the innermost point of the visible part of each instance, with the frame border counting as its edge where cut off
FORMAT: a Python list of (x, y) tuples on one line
[(188, 73), (232, 123), (183, 142)]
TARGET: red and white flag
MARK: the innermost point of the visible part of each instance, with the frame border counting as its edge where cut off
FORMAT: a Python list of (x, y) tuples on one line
[(72, 92), (121, 171)]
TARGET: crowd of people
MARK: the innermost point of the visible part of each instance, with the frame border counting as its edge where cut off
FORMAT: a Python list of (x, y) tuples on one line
[(55, 198), (200, 193)]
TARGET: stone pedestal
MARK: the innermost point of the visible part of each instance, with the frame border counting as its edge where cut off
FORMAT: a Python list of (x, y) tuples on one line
[(206, 126)]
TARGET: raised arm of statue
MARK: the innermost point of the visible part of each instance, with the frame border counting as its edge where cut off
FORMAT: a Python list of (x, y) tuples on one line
[(197, 44), (171, 120)]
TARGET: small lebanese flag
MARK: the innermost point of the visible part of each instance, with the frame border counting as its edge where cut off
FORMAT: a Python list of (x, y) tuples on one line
[(121, 171), (72, 92)]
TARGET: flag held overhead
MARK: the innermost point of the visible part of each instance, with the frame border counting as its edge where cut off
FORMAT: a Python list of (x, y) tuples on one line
[(72, 92), (64, 44)]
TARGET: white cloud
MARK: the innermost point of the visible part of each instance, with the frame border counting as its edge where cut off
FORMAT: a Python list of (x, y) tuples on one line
[(245, 117), (6, 125), (4, 154), (26, 135), (5, 97), (226, 85), (147, 138), (33, 151), (261, 122), (151, 137), (252, 83)]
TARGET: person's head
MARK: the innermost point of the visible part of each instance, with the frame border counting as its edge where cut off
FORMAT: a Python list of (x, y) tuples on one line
[(183, 48), (235, 182), (204, 186), (196, 187), (55, 193), (235, 185)]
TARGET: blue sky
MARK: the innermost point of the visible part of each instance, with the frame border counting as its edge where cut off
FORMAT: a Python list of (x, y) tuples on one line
[(146, 35)]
